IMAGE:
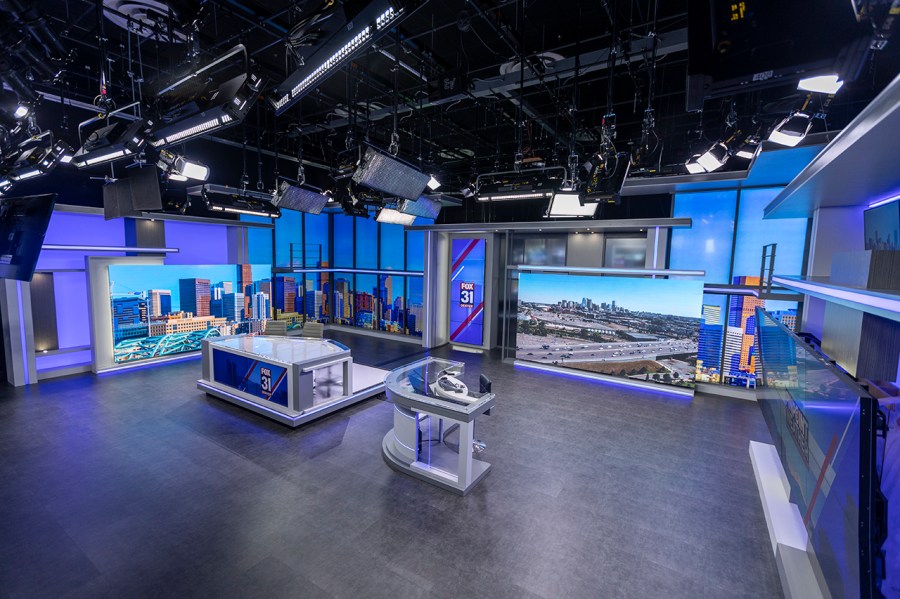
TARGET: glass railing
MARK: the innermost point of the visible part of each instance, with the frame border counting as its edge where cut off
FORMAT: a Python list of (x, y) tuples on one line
[(821, 423)]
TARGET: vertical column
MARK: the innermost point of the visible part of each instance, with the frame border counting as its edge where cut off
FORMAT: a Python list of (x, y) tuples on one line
[(18, 333), (436, 289), (464, 471)]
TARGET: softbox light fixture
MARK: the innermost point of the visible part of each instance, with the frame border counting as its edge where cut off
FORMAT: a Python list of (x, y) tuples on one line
[(394, 217), (110, 143), (566, 204), (216, 96), (298, 198), (425, 207), (344, 35), (390, 176), (791, 131), (231, 200), (517, 187)]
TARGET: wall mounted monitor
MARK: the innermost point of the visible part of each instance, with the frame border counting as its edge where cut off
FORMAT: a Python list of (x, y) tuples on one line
[(23, 224)]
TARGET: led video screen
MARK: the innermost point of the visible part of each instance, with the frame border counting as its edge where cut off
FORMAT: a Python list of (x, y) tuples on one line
[(467, 291), (164, 310), (882, 226), (636, 328)]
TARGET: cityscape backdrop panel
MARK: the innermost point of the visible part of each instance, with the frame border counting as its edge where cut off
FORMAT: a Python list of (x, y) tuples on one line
[(642, 329), (162, 310)]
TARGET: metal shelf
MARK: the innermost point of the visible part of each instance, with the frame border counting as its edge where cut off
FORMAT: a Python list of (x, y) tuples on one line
[(884, 303)]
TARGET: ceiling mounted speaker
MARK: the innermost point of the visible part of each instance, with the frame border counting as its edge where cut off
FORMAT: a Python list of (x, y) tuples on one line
[(147, 18)]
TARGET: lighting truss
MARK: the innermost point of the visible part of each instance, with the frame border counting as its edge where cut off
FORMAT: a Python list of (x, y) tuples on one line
[(360, 32), (566, 204), (221, 198), (189, 108), (298, 198), (389, 175), (110, 143), (425, 207), (394, 217)]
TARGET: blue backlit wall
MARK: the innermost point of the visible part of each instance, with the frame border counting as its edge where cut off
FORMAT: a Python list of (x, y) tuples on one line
[(709, 242)]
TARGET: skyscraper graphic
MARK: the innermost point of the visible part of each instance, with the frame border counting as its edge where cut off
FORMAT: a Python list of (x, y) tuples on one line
[(195, 296), (285, 294), (245, 282), (160, 302), (261, 308), (709, 345), (742, 314)]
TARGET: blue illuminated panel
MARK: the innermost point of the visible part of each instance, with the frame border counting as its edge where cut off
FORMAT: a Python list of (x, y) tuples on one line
[(392, 250), (259, 241), (316, 240), (366, 243), (71, 298), (288, 230), (753, 233), (343, 240), (466, 288), (197, 243), (68, 228), (707, 244)]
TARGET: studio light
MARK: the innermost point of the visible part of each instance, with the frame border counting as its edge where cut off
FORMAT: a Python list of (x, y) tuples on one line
[(516, 186), (389, 175), (823, 84), (424, 207), (22, 111), (567, 205), (301, 199), (749, 149), (693, 165), (180, 168), (433, 183), (348, 38), (714, 158), (394, 217), (200, 103), (791, 131), (5, 184), (110, 143), (221, 198), (35, 156)]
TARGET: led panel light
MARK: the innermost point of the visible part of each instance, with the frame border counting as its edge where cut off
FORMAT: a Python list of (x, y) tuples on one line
[(21, 111), (518, 187), (389, 175), (693, 165), (433, 183), (394, 217), (300, 199), (791, 131), (567, 205), (355, 35), (221, 198), (424, 207), (714, 158), (823, 84)]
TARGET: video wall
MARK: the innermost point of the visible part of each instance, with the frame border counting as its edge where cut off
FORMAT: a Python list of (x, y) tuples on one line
[(467, 267), (381, 301), (636, 328), (727, 237), (163, 310)]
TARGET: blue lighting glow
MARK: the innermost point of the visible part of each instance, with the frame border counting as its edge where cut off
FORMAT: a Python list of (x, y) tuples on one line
[(884, 201), (197, 243), (154, 364), (687, 394), (22, 332)]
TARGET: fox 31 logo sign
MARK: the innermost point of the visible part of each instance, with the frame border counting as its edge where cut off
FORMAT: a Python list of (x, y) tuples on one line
[(467, 295)]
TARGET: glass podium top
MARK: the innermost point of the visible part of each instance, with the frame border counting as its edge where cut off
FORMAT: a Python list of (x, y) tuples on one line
[(283, 349), (434, 382)]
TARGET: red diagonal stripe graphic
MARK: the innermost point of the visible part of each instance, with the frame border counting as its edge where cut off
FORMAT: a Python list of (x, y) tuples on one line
[(828, 457), (462, 256), (466, 322)]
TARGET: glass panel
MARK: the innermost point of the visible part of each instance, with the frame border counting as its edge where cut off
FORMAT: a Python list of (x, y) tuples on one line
[(366, 243), (288, 238), (316, 239), (343, 241), (316, 302), (259, 241), (392, 250), (707, 244), (753, 233)]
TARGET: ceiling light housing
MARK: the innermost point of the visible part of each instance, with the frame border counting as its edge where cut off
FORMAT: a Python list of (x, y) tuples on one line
[(715, 157), (749, 149), (110, 143), (822, 84), (693, 165), (180, 168), (425, 207), (791, 130), (301, 199), (512, 185), (390, 175), (394, 217), (231, 200), (566, 204)]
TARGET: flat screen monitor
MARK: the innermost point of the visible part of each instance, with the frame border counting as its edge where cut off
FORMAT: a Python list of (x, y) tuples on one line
[(23, 224)]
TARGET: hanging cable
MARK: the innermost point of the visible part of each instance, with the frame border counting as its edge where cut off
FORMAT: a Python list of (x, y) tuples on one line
[(519, 157), (245, 178), (394, 147), (259, 162)]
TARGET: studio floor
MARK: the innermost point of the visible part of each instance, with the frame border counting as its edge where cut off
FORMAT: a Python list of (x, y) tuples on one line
[(139, 485)]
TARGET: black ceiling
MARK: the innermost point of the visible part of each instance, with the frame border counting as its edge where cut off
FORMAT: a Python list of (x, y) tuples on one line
[(474, 40)]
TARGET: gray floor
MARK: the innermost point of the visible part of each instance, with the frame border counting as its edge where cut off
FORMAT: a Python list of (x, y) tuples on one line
[(138, 485)]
